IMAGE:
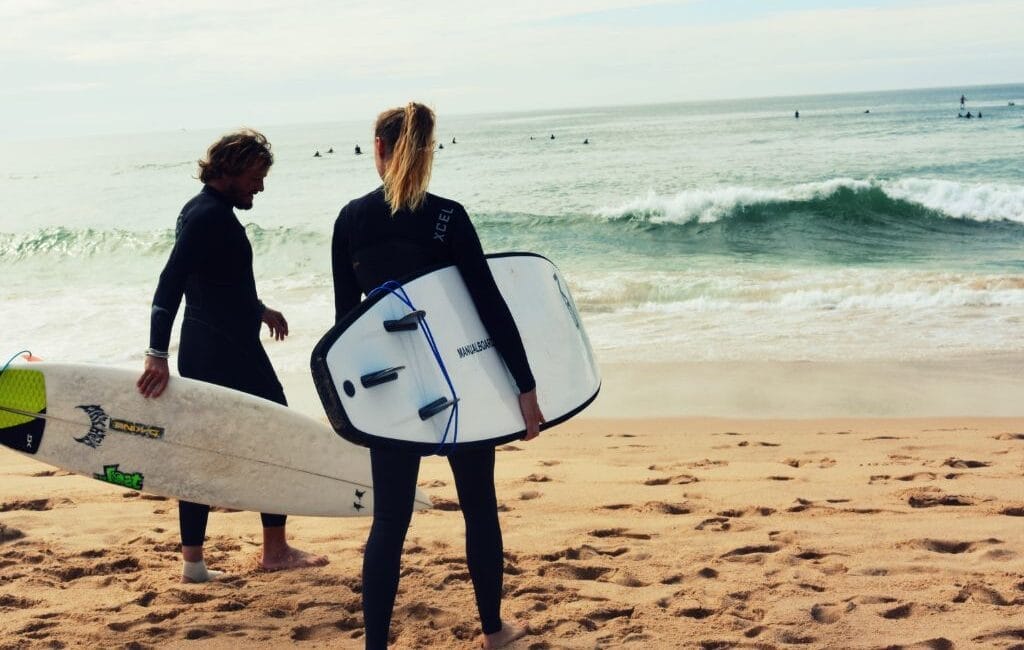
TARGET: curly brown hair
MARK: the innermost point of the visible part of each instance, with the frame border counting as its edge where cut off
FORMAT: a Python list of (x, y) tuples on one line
[(235, 153)]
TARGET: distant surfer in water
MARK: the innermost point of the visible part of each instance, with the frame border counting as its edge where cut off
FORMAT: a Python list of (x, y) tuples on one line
[(211, 265), (395, 230), (359, 151), (796, 114)]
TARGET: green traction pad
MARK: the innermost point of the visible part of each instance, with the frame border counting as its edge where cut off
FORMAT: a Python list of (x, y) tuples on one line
[(24, 390)]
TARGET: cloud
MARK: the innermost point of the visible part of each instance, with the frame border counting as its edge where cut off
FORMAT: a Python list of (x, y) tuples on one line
[(181, 61)]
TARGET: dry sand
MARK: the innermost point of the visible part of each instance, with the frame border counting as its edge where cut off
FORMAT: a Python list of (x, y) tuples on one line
[(648, 533)]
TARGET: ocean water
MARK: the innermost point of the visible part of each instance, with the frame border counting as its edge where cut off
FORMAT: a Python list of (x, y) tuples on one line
[(719, 231)]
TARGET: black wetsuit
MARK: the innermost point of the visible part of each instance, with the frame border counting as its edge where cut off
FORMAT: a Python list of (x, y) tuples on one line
[(211, 265), (370, 247)]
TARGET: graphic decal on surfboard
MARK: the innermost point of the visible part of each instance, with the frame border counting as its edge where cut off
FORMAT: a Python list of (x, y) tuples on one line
[(112, 474), (100, 422), (381, 384)]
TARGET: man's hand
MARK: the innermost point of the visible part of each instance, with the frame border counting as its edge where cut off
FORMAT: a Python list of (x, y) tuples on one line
[(154, 377), (276, 322), (532, 416)]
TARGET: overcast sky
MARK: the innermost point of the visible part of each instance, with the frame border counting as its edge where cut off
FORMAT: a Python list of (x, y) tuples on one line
[(102, 66)]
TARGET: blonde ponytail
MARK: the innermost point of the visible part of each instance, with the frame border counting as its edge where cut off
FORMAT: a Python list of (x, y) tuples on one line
[(408, 135)]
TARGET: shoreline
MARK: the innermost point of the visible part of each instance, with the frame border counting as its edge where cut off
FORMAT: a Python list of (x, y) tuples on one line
[(977, 386)]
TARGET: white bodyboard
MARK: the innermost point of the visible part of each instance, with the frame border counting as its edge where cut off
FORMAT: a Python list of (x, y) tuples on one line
[(375, 384)]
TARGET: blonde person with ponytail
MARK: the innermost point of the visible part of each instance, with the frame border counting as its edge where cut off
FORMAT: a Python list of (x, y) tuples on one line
[(394, 231)]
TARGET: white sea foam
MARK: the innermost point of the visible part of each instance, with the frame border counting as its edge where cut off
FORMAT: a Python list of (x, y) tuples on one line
[(980, 202)]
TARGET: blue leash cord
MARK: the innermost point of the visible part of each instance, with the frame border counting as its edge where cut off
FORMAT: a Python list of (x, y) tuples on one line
[(396, 289), (11, 360)]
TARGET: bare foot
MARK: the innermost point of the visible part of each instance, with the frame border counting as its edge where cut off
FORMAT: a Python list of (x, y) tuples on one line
[(291, 558), (207, 575), (506, 635)]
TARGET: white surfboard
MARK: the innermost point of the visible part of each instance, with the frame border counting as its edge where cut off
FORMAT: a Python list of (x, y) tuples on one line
[(380, 383), (197, 441)]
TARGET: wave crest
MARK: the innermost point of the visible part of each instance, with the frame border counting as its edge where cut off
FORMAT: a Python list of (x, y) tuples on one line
[(942, 198)]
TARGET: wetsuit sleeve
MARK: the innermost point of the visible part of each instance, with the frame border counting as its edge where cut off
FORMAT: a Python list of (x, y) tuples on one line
[(493, 310), (347, 293), (192, 245)]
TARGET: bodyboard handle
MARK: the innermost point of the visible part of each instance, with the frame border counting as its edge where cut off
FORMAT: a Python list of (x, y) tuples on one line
[(407, 323), (435, 407)]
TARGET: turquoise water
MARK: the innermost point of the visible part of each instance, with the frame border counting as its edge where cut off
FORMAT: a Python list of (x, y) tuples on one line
[(720, 230)]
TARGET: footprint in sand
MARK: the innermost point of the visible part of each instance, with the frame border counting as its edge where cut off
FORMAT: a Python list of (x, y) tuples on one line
[(932, 500), (549, 463), (564, 571), (918, 476), (719, 524), (900, 612), (946, 546), (50, 472), (8, 534), (796, 639), (625, 578), (680, 479), (665, 508), (981, 594), (32, 504), (1006, 635), (529, 495), (753, 510), (829, 613), (445, 505), (747, 551), (8, 601), (939, 643), (958, 463), (695, 612), (584, 552), (618, 532)]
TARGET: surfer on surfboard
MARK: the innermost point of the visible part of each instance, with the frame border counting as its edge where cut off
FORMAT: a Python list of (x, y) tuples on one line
[(389, 233), (211, 265)]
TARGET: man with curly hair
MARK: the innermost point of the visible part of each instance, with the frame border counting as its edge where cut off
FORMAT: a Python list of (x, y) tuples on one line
[(211, 266)]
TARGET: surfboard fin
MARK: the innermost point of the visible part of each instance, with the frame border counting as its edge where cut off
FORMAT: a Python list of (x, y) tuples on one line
[(380, 377), (406, 323), (435, 407)]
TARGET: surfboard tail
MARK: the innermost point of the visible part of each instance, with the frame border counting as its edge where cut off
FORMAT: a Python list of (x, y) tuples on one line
[(22, 402)]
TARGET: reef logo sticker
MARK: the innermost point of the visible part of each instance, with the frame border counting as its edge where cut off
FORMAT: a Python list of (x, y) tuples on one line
[(111, 474)]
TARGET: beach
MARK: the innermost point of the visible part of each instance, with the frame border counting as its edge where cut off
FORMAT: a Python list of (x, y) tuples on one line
[(651, 532), (810, 431)]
